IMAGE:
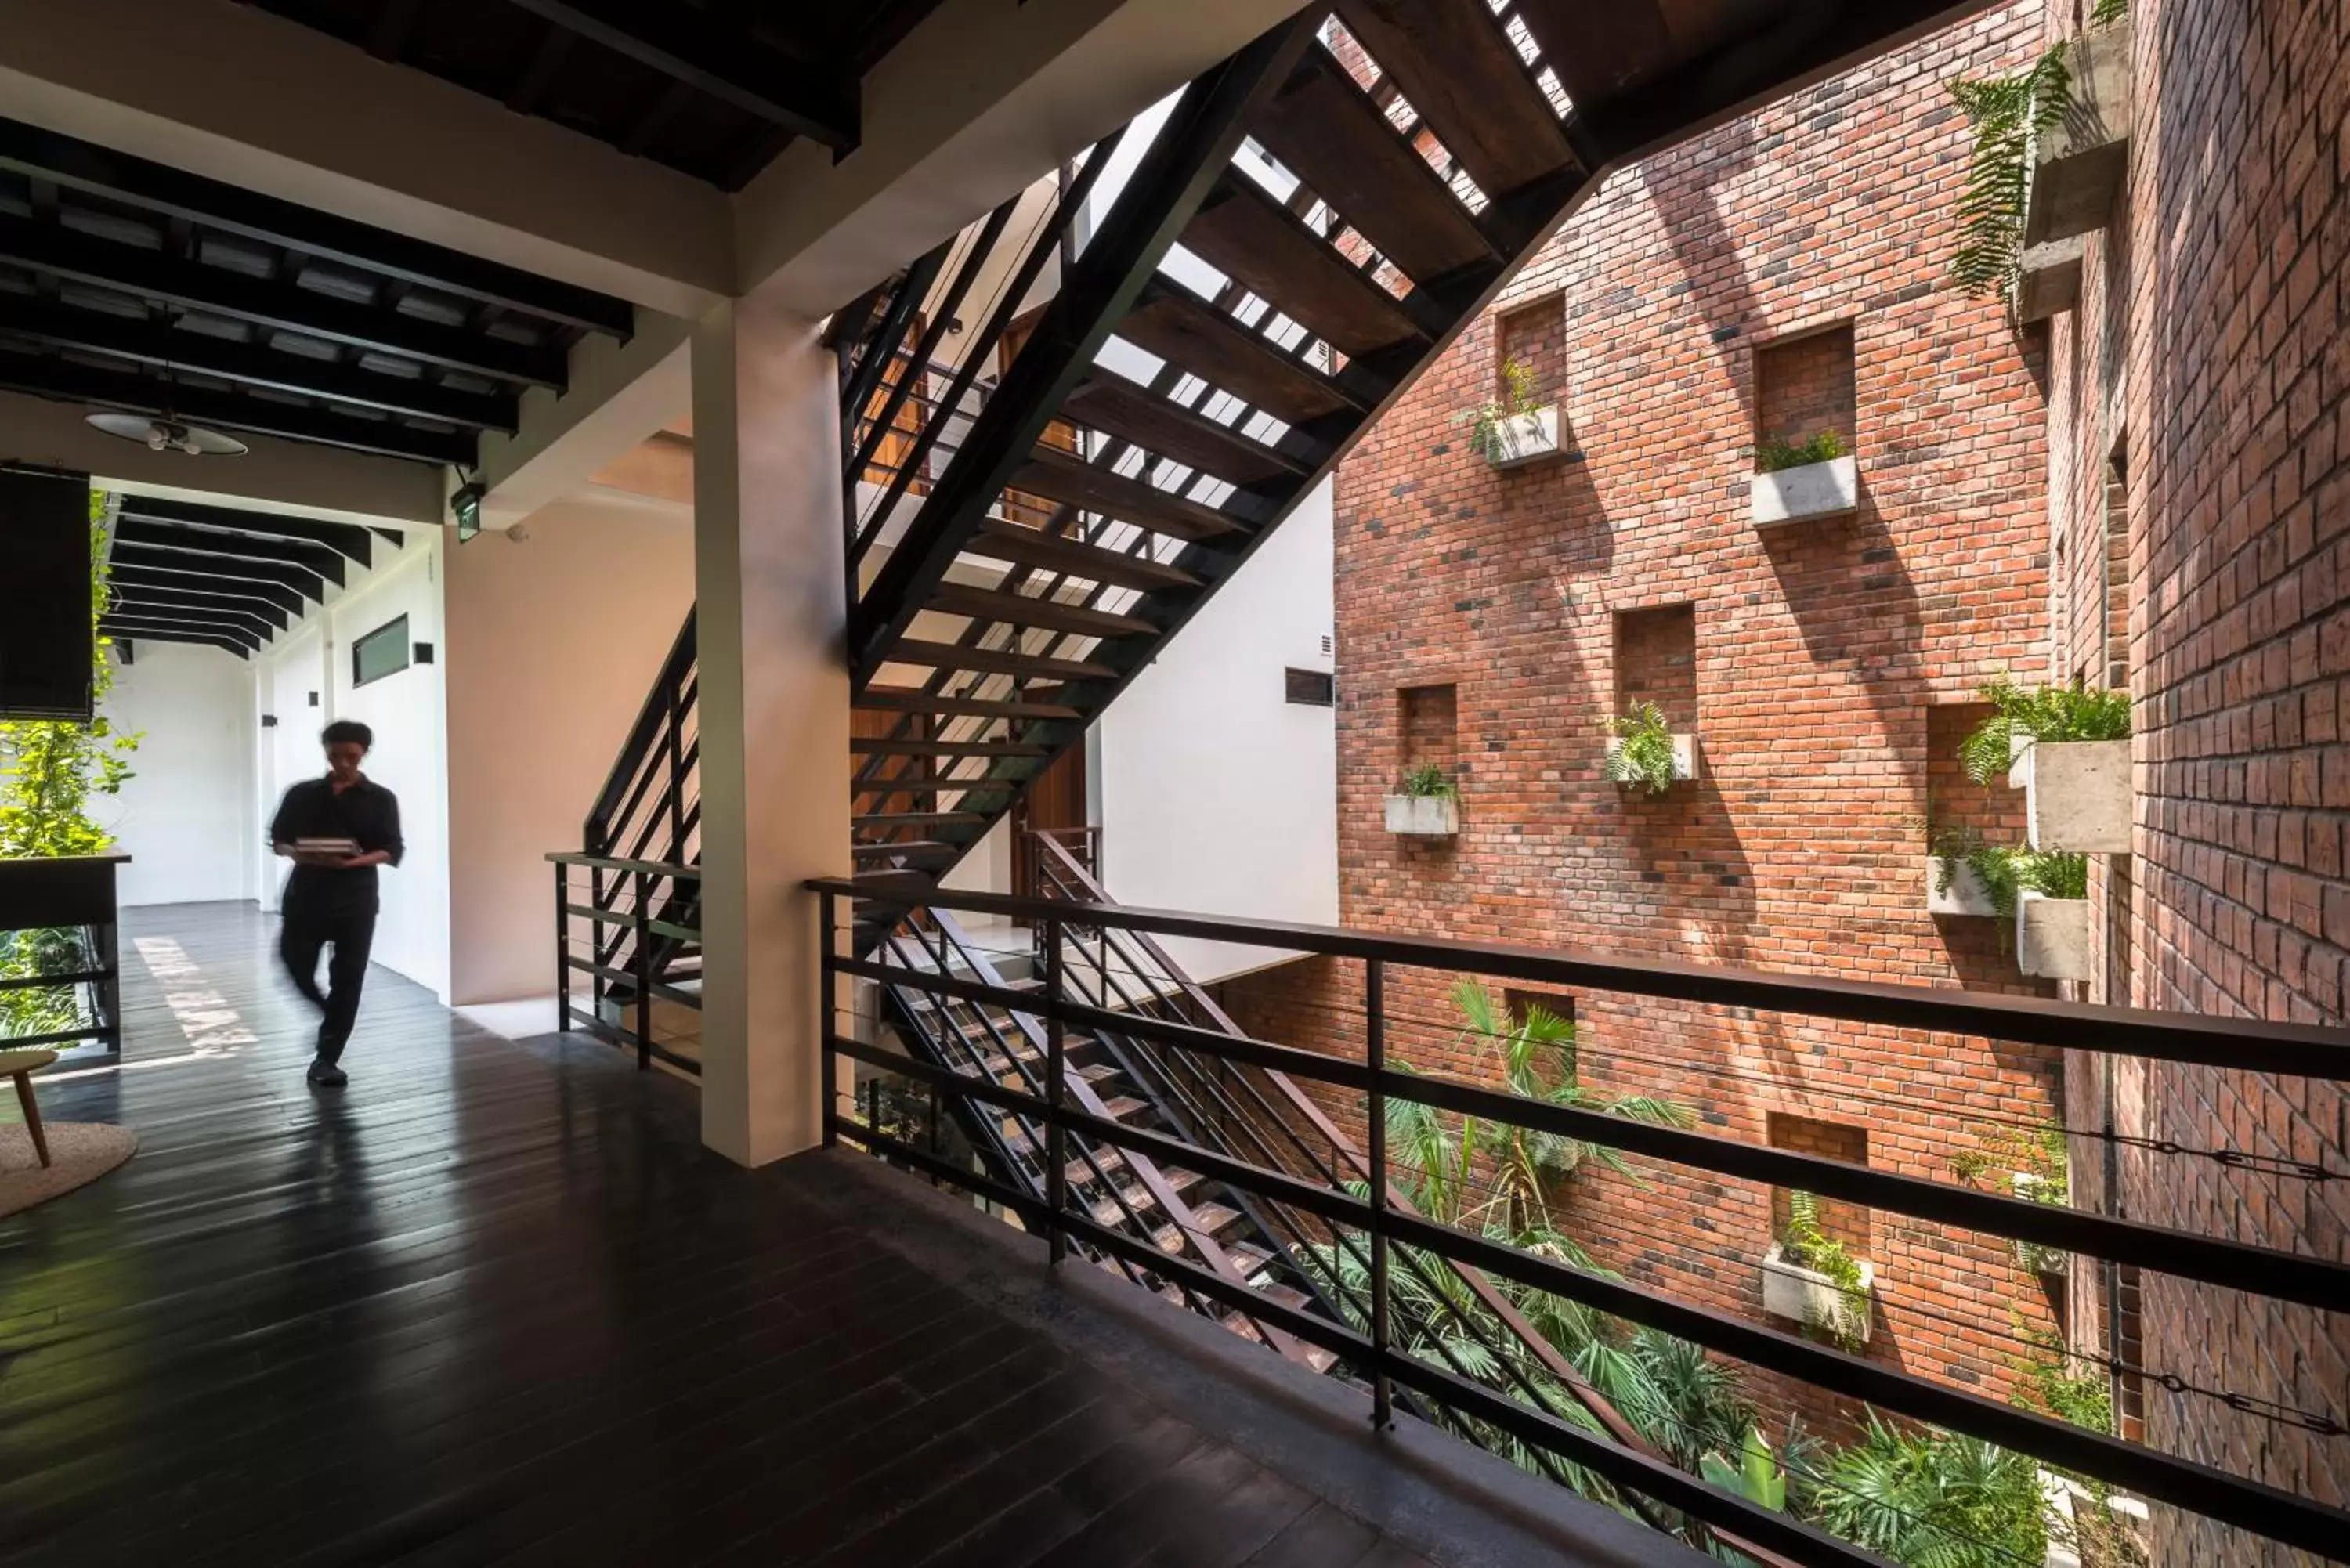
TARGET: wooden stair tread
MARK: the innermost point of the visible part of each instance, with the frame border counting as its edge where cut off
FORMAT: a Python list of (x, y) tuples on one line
[(1243, 232), (1064, 477), (1327, 130), (1213, 1217), (1019, 610), (1123, 1106), (1018, 544), (996, 661), (937, 786), (1108, 403), (965, 707), (1181, 327), (1248, 1257), (1461, 74), (879, 821), (916, 851), (1107, 1210), (940, 749)]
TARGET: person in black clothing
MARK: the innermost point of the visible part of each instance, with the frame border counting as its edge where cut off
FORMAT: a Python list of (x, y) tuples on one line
[(330, 896)]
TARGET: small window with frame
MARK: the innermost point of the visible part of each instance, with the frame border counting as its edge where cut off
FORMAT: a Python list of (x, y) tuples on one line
[(381, 652), (1313, 687)]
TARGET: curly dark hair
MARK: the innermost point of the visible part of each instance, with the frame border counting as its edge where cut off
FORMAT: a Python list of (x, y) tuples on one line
[(343, 731)]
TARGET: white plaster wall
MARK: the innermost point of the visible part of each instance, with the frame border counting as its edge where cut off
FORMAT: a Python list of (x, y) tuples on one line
[(552, 643), (406, 711), (1214, 793), (184, 815), (285, 675)]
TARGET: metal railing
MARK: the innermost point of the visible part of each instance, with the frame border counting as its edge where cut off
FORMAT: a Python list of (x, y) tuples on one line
[(644, 915), (1365, 1209)]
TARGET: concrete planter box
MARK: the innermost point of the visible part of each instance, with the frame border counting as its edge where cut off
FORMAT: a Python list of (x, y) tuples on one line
[(1807, 1296), (2019, 752), (2077, 796), (2068, 1501), (2049, 283), (1523, 439), (1966, 894), (1684, 759), (2034, 1256), (2052, 936), (1423, 815), (1813, 490), (2076, 165)]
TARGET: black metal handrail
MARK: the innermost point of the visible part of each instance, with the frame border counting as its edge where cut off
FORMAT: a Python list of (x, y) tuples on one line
[(640, 916), (2253, 1506)]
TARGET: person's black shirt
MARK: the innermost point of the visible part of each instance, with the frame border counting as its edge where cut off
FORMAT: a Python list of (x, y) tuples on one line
[(365, 814)]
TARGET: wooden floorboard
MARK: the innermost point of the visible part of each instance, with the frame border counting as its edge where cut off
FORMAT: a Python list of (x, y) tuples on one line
[(495, 1303)]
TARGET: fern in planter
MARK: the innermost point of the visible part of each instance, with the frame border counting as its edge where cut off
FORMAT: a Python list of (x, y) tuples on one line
[(1646, 757), (1489, 419), (1427, 780), (2008, 874), (2005, 113), (1804, 1244), (2052, 714), (1772, 454), (2030, 1163)]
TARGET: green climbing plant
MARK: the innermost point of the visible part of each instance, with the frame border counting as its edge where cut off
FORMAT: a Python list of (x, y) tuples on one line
[(1489, 420), (49, 772), (2053, 713), (1805, 1245), (2004, 114)]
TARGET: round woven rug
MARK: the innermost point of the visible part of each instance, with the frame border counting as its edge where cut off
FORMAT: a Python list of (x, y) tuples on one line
[(79, 1152)]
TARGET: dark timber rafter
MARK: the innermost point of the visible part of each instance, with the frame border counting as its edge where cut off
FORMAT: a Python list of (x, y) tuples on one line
[(686, 44)]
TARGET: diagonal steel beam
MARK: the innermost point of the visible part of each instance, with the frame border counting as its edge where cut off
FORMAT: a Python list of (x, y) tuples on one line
[(1174, 176), (350, 539)]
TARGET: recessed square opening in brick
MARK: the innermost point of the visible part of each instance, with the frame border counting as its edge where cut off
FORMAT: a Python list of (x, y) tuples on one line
[(1656, 661), (1805, 387), (1955, 802), (1534, 335), (1559, 1004), (1839, 1220), (1427, 720)]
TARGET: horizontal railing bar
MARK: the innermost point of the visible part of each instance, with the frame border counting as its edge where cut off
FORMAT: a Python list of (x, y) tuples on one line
[(1255, 1306), (31, 981), (613, 863), (2231, 1500), (671, 993), (2249, 1045), (27, 1042), (2287, 1277), (943, 984), (670, 928), (985, 1089), (1287, 1059)]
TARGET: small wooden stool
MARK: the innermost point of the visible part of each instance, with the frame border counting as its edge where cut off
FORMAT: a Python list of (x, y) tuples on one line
[(21, 1065)]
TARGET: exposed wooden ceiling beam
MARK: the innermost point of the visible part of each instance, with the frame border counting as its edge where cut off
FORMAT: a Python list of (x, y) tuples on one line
[(685, 43), (311, 557), (219, 569), (248, 364), (143, 631), (349, 538), (77, 383), (84, 166), (276, 596)]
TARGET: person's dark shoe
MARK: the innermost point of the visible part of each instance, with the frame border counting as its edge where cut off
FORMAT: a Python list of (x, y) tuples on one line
[(327, 1076)]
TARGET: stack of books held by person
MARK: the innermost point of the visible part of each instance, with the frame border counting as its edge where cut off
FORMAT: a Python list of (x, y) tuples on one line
[(326, 849)]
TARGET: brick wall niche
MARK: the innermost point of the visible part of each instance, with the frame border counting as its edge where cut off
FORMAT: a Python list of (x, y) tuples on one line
[(1656, 661), (1428, 732), (1804, 390), (1534, 335)]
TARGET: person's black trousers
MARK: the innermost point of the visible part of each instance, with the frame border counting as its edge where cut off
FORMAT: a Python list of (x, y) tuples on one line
[(349, 933)]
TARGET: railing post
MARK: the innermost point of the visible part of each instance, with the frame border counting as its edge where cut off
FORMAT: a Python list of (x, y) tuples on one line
[(828, 933), (1056, 1134), (1375, 1054), (644, 956), (562, 950), (676, 775)]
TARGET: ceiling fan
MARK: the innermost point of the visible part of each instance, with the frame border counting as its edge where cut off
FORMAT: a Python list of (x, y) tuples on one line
[(168, 434)]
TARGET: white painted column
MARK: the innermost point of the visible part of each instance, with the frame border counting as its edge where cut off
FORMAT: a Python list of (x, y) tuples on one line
[(773, 697)]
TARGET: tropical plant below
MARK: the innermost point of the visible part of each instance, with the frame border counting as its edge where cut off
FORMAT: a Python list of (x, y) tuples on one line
[(49, 769), (1772, 454), (1930, 1498), (1428, 780), (1644, 758), (2040, 714), (1489, 420)]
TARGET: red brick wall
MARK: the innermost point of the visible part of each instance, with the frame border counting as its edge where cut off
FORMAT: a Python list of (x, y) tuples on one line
[(2208, 345), (1821, 655)]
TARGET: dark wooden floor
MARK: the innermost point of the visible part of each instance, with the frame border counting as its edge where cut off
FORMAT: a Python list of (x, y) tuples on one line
[(493, 1303)]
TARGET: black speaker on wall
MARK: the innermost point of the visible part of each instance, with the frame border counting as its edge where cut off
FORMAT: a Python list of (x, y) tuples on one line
[(46, 641)]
